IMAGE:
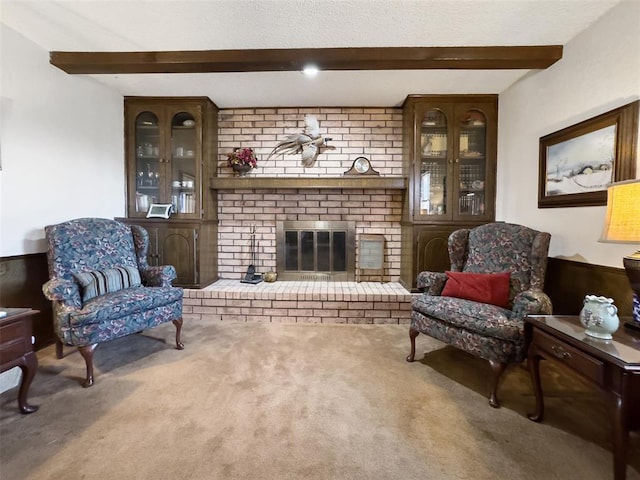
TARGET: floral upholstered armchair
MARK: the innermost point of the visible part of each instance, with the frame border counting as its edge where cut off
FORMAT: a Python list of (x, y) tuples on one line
[(102, 288), (496, 280)]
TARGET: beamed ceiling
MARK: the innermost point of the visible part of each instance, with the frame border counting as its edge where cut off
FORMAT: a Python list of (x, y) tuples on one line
[(248, 53)]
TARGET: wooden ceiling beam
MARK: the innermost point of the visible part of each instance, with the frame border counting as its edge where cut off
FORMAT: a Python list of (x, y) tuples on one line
[(280, 60)]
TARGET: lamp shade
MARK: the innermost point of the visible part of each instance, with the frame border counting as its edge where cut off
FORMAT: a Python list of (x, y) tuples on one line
[(622, 222)]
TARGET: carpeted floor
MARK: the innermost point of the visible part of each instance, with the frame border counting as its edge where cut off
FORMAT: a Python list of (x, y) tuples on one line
[(283, 401)]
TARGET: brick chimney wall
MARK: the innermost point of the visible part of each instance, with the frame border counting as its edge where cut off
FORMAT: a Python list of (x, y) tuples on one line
[(375, 133)]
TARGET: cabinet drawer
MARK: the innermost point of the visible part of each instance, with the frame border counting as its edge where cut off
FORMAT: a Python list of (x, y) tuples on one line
[(577, 360), (11, 331), (13, 343), (12, 350)]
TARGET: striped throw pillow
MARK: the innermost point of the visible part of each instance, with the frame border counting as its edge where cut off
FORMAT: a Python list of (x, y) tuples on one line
[(99, 282)]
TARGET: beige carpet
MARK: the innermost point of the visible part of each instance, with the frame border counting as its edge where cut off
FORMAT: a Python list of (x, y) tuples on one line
[(277, 401)]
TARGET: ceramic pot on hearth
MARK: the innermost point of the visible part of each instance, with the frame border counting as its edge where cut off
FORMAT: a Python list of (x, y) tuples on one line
[(270, 276), (599, 316)]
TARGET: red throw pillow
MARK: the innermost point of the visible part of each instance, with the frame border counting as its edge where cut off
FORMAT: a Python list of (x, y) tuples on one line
[(490, 288)]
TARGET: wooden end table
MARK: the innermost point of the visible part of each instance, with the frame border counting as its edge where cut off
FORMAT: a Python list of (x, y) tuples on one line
[(16, 350), (611, 365)]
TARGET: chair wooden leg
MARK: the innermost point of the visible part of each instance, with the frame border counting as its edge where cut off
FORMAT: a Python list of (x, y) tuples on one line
[(87, 354), (412, 336), (178, 324), (59, 347), (498, 369)]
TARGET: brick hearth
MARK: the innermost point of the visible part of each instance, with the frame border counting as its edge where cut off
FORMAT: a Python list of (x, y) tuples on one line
[(300, 302)]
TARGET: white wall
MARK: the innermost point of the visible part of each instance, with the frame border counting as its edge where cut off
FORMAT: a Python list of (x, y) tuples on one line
[(62, 146), (599, 71)]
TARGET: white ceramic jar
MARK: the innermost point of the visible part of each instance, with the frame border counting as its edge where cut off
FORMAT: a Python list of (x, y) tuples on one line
[(599, 316)]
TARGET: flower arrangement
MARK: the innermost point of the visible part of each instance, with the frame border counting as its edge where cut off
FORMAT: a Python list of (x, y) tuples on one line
[(242, 156)]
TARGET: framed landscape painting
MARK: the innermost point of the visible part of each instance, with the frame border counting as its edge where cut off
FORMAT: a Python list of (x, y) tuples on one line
[(578, 162)]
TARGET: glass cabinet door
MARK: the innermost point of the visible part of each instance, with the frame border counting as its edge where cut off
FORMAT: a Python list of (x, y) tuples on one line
[(184, 153), (434, 159), (452, 176), (471, 163), (148, 160), (167, 155)]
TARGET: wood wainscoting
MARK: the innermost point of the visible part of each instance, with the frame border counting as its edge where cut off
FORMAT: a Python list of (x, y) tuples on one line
[(567, 282), (21, 280)]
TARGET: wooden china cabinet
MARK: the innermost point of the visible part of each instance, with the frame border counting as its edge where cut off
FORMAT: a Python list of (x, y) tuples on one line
[(450, 149), (171, 152)]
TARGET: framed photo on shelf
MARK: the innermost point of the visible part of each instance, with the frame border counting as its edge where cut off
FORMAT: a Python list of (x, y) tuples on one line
[(578, 162), (159, 210)]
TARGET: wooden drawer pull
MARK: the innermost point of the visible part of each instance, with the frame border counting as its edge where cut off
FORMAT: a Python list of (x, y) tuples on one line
[(560, 352)]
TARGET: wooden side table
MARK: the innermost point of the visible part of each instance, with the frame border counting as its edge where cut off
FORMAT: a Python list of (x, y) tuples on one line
[(612, 365), (16, 350)]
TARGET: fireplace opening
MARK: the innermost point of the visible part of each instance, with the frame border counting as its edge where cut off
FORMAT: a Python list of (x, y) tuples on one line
[(315, 250)]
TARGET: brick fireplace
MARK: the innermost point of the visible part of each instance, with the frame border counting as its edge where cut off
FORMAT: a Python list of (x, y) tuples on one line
[(375, 133), (281, 190)]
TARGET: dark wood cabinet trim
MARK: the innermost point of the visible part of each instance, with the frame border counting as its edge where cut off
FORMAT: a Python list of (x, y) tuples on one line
[(196, 259), (424, 237), (268, 60)]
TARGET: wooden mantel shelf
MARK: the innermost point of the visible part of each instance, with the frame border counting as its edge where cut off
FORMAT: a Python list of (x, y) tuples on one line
[(368, 182)]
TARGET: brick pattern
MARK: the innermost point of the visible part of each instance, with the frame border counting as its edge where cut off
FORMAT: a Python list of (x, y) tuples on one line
[(373, 132), (299, 302)]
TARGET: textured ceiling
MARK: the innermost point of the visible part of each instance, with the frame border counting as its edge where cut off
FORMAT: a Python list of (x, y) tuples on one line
[(101, 25)]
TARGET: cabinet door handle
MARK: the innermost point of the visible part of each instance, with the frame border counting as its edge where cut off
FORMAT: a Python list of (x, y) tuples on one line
[(457, 160), (560, 352)]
